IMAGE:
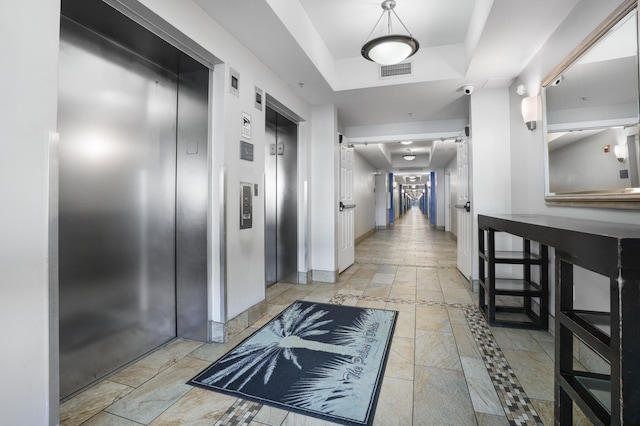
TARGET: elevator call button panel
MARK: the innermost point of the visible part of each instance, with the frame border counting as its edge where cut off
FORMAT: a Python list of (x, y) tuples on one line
[(246, 205)]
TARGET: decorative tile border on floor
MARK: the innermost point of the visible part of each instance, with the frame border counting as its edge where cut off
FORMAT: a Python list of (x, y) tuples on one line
[(241, 413), (340, 298), (515, 402)]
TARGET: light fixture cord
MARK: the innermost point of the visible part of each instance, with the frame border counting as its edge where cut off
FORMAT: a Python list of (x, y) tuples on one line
[(402, 23), (376, 24), (389, 25)]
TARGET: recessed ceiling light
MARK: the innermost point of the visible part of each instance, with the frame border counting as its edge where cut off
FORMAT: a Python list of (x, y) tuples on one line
[(406, 142)]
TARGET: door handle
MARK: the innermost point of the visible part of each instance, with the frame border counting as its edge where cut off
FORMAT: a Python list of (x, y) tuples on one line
[(466, 206), (346, 206)]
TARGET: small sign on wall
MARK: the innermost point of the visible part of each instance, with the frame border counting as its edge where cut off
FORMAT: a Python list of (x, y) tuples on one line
[(246, 151), (246, 125)]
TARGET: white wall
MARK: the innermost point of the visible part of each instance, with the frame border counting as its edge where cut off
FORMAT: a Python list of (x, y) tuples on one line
[(527, 148), (490, 158), (28, 87), (364, 195)]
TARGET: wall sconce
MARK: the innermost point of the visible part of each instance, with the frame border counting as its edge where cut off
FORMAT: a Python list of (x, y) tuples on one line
[(621, 152), (530, 111)]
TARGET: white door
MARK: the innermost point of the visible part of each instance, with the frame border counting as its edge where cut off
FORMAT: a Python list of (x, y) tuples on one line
[(346, 253), (465, 222)]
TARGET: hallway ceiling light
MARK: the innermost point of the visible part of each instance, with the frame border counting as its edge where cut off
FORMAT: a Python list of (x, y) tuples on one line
[(409, 156), (391, 48), (406, 142)]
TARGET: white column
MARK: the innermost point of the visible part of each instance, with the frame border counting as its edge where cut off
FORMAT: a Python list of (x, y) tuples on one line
[(28, 83), (490, 152), (324, 193)]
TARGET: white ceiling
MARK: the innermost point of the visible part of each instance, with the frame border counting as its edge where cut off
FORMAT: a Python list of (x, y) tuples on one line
[(486, 43)]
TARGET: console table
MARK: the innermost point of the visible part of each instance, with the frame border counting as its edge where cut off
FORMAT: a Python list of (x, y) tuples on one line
[(526, 288), (611, 250)]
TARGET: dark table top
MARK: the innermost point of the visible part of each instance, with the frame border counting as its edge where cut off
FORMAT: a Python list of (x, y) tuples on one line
[(603, 247)]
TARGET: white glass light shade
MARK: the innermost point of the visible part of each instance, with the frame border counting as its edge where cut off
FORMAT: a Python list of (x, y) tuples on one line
[(530, 111), (409, 157), (390, 49), (621, 152)]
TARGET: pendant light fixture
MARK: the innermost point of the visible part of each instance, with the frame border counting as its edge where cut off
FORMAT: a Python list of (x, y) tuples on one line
[(409, 156), (391, 48)]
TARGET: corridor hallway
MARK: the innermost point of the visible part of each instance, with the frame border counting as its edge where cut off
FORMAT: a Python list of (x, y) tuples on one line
[(446, 367)]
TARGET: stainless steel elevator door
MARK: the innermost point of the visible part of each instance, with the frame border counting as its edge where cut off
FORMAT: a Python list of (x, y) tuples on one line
[(117, 124), (281, 199)]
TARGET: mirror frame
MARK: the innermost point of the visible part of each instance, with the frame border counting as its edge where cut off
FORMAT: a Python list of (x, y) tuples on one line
[(628, 198)]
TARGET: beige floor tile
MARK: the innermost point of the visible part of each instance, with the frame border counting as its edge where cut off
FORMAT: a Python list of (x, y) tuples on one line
[(377, 291), (90, 402), (295, 419), (382, 278), (436, 349), (430, 296), (435, 318), (465, 341), (401, 307), (371, 304), (516, 339), (212, 351), (456, 315), (151, 399), (270, 416), (156, 362), (457, 295), (106, 419), (197, 407), (534, 370), (483, 395), (405, 325), (440, 397), (401, 359), (491, 420), (395, 404)]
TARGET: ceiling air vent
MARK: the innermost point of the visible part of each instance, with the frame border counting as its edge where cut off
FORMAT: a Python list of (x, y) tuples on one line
[(396, 70)]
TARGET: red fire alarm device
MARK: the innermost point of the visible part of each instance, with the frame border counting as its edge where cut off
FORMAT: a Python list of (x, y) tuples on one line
[(607, 148)]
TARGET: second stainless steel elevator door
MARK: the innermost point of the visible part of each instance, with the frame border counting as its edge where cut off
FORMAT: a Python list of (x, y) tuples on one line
[(281, 199), (117, 124)]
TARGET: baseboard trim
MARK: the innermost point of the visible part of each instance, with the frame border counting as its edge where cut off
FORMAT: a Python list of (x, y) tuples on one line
[(324, 276), (222, 332), (365, 235)]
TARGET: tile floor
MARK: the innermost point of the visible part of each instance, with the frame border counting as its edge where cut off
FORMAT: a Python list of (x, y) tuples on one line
[(446, 366)]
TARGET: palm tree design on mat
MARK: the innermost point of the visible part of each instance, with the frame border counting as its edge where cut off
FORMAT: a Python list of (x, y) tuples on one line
[(264, 350)]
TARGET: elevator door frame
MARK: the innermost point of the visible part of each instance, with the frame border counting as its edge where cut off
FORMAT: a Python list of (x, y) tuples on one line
[(281, 198), (140, 22)]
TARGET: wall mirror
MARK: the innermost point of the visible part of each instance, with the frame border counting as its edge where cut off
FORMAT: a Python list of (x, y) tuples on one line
[(591, 108)]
